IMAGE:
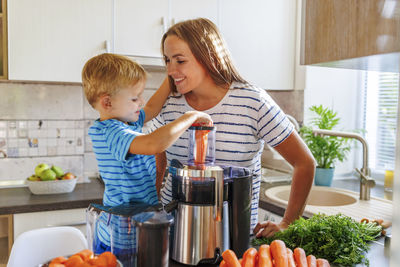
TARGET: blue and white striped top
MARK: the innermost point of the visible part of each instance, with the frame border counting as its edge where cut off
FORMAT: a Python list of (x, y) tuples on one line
[(245, 119), (127, 177)]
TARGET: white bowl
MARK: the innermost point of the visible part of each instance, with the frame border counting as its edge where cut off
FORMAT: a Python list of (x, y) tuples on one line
[(51, 187)]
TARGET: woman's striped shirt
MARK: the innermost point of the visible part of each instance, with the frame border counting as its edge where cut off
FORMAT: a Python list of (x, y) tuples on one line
[(245, 119), (127, 177)]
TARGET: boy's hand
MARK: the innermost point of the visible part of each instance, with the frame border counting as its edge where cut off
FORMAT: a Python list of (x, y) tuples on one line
[(202, 118)]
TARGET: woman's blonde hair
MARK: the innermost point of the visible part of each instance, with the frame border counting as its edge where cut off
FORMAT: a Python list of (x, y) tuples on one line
[(208, 47), (107, 73)]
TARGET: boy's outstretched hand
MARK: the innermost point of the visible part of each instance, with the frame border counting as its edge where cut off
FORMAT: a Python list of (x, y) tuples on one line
[(202, 118)]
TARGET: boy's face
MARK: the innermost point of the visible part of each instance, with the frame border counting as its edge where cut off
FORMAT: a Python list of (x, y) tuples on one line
[(127, 102)]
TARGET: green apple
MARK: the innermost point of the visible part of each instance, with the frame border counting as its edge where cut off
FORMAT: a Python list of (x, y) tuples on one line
[(34, 177), (59, 172), (40, 168), (48, 175)]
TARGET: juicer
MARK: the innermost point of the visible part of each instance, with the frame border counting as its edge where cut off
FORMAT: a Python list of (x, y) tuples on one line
[(212, 203)]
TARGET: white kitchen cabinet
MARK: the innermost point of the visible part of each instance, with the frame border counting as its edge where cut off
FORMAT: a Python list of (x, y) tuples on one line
[(192, 9), (261, 35), (50, 40), (28, 221), (140, 24)]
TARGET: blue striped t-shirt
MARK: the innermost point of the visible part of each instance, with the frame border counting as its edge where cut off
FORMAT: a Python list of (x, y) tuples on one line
[(245, 119), (127, 177)]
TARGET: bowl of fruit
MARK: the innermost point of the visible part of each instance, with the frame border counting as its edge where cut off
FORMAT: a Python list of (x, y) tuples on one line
[(50, 180)]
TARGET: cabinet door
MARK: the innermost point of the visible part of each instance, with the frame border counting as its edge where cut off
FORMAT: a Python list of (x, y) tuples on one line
[(51, 40), (192, 9), (261, 35), (28, 221), (139, 26)]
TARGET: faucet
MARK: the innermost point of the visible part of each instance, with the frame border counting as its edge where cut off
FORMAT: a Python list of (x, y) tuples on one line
[(366, 182)]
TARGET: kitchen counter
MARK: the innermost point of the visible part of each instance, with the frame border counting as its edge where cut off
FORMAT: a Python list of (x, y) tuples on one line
[(21, 200)]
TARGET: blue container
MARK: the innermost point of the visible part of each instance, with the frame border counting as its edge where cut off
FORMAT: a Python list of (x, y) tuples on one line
[(323, 176)]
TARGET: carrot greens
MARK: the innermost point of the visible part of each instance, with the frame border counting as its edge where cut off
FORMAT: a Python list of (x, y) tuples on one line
[(337, 238)]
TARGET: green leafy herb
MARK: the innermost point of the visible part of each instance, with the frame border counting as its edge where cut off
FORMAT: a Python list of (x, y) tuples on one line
[(337, 238)]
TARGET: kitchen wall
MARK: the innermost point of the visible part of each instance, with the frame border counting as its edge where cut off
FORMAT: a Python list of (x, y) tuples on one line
[(48, 122), (339, 89)]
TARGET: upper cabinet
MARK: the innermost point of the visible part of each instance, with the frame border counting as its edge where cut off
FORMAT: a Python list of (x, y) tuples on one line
[(261, 35), (140, 24), (51, 40), (361, 34), (3, 40)]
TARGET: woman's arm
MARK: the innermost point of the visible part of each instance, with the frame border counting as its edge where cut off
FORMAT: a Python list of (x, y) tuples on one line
[(156, 102), (295, 151)]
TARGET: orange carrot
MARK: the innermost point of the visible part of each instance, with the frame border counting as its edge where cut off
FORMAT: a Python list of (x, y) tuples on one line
[(241, 261), (74, 260), (264, 256), (223, 264), (201, 137), (300, 257), (85, 254), (311, 261), (323, 263), (279, 253), (230, 258), (110, 258), (249, 257), (60, 259), (56, 265), (291, 262)]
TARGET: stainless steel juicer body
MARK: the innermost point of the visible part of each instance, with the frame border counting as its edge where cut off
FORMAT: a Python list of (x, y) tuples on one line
[(207, 220)]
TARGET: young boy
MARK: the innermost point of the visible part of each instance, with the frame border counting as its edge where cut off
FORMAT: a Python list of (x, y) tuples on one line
[(114, 85)]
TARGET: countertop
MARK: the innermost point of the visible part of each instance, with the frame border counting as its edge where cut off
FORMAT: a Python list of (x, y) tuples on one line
[(21, 200)]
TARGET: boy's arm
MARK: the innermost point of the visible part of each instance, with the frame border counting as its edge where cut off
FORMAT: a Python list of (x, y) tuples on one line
[(157, 100), (165, 136)]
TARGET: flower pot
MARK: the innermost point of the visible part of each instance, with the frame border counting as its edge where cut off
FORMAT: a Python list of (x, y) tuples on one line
[(323, 176)]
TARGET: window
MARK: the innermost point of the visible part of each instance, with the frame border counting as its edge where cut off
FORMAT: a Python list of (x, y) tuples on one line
[(380, 119)]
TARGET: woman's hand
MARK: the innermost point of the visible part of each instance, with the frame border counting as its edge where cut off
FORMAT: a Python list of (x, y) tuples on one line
[(268, 228)]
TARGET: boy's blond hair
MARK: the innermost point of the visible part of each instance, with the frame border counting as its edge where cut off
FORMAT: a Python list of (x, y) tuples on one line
[(105, 74)]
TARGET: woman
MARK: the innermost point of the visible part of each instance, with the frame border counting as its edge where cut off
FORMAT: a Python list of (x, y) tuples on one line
[(202, 76)]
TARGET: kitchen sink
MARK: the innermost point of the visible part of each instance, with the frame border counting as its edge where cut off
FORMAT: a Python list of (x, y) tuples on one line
[(330, 201), (319, 196)]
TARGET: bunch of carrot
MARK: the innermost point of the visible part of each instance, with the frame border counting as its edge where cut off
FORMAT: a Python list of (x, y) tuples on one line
[(274, 255), (85, 258)]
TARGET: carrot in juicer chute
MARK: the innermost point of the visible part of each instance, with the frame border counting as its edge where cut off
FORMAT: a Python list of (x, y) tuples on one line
[(201, 137)]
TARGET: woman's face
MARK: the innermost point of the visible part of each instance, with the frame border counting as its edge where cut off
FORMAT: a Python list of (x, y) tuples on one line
[(187, 73)]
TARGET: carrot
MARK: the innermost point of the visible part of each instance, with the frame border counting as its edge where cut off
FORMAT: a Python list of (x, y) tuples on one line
[(60, 259), (110, 258), (201, 137), (223, 264), (249, 257), (323, 263), (73, 261), (300, 257), (56, 265), (264, 256), (291, 262), (279, 253), (240, 261), (311, 261), (230, 258), (85, 254), (99, 261)]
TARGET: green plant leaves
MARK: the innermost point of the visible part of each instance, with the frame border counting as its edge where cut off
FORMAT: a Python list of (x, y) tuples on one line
[(327, 150)]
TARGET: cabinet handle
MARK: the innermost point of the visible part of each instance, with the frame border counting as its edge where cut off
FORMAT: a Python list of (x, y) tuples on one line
[(67, 224), (164, 24)]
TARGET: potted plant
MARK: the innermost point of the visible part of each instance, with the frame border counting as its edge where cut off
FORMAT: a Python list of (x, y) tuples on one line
[(327, 150)]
